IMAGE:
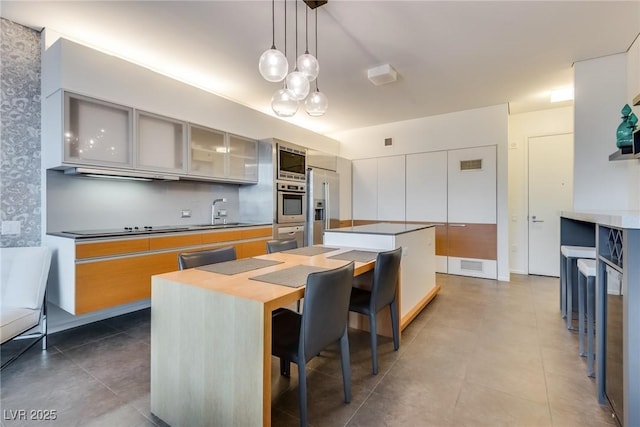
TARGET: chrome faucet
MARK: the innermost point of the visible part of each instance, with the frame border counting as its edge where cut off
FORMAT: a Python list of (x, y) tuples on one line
[(214, 217)]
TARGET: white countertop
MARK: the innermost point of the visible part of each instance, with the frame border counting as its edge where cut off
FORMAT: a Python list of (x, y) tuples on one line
[(386, 228), (620, 219)]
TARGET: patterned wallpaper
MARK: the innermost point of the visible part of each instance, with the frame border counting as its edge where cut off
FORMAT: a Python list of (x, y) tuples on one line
[(20, 179)]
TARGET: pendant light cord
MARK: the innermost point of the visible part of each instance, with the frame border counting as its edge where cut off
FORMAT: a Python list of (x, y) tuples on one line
[(317, 47), (273, 24), (296, 54), (306, 29)]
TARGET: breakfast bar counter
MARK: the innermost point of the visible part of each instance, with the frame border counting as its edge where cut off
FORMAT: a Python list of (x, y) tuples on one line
[(211, 340), (616, 237)]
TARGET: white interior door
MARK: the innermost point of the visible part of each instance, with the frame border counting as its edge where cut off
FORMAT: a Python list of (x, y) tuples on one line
[(550, 192)]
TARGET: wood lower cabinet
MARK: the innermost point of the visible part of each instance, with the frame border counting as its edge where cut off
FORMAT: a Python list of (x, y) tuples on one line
[(97, 275)]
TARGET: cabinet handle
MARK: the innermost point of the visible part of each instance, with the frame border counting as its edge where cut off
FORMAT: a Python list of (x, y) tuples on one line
[(439, 224), (458, 225)]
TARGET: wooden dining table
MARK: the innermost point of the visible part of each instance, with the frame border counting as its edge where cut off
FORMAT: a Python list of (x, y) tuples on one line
[(211, 340)]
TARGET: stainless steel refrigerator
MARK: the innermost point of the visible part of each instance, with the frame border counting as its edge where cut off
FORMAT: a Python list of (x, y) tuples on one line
[(323, 204)]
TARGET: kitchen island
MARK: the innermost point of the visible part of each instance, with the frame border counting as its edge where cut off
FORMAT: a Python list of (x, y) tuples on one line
[(616, 237), (418, 268)]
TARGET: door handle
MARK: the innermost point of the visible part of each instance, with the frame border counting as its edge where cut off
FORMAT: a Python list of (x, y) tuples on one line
[(533, 219)]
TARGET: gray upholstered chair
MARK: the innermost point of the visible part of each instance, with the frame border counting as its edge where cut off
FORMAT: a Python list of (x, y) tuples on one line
[(300, 337), (281, 245), (24, 281), (383, 293), (211, 256)]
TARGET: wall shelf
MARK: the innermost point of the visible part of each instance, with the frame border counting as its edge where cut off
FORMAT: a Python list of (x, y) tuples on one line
[(628, 153)]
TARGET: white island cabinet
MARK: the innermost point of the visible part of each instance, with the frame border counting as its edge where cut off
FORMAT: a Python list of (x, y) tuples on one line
[(417, 270)]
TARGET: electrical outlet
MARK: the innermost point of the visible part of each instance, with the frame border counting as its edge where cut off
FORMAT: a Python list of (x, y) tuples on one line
[(222, 212), (11, 227), (185, 213)]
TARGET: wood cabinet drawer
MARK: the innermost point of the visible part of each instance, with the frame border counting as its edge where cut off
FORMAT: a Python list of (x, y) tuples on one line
[(249, 249), (466, 240), (221, 236), (254, 233), (108, 283), (167, 242), (117, 247)]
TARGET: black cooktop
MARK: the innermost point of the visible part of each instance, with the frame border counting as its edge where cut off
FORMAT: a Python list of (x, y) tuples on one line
[(128, 230)]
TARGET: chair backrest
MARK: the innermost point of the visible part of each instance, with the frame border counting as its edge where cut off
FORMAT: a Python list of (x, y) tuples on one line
[(385, 278), (281, 245), (24, 276), (326, 309), (212, 256)]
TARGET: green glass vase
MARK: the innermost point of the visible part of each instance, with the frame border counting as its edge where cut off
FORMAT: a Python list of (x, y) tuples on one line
[(624, 134)]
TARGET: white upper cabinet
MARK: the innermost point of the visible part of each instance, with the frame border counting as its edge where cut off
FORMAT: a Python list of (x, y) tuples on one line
[(96, 132), (391, 188), (472, 185), (219, 155), (161, 143), (427, 187), (365, 189)]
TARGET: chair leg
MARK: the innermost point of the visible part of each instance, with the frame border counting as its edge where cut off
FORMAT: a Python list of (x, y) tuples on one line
[(395, 329), (285, 367), (591, 309), (563, 286), (302, 392), (346, 366), (571, 282), (374, 343)]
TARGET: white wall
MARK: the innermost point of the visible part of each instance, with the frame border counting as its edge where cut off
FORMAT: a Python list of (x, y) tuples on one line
[(600, 94), (521, 128), (470, 128)]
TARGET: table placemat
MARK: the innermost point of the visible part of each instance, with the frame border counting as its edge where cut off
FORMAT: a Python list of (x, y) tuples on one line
[(238, 266), (310, 250), (355, 255), (294, 277)]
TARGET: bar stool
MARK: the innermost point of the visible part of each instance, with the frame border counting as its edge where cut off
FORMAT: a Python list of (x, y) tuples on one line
[(568, 270), (587, 294)]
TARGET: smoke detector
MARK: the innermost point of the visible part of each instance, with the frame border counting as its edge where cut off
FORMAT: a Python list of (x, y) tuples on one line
[(382, 74)]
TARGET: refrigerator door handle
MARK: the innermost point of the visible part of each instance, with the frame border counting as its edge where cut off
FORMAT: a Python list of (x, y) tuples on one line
[(327, 207)]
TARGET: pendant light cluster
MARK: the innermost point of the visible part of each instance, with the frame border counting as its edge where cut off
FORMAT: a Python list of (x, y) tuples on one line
[(274, 67)]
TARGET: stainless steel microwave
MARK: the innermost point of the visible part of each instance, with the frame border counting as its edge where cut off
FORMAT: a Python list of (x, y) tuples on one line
[(292, 162)]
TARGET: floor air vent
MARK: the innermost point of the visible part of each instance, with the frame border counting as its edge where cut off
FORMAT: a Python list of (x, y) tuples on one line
[(466, 264), (469, 165)]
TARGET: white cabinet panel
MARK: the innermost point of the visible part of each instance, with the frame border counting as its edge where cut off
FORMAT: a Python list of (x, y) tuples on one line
[(243, 159), (427, 187), (365, 189), (208, 152), (391, 188), (472, 185), (161, 143)]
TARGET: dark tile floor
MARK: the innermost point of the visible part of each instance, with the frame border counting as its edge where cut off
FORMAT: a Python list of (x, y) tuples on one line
[(483, 353)]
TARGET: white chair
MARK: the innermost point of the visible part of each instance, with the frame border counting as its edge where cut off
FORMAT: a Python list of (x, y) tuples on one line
[(24, 272)]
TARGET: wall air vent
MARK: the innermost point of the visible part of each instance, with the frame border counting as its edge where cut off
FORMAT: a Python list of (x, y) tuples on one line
[(469, 165), (466, 264), (388, 142)]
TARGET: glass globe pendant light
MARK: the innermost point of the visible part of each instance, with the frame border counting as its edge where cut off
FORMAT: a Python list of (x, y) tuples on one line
[(273, 64), (307, 63), (296, 81), (317, 103), (284, 102)]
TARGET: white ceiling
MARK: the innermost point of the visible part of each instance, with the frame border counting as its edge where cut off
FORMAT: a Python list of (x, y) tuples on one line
[(450, 55)]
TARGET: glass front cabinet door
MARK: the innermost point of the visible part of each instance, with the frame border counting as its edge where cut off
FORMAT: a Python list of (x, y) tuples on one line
[(97, 132), (161, 143), (243, 159), (208, 152)]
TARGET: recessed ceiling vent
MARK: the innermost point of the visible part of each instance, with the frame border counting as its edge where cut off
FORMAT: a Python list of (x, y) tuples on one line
[(382, 74), (469, 165)]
